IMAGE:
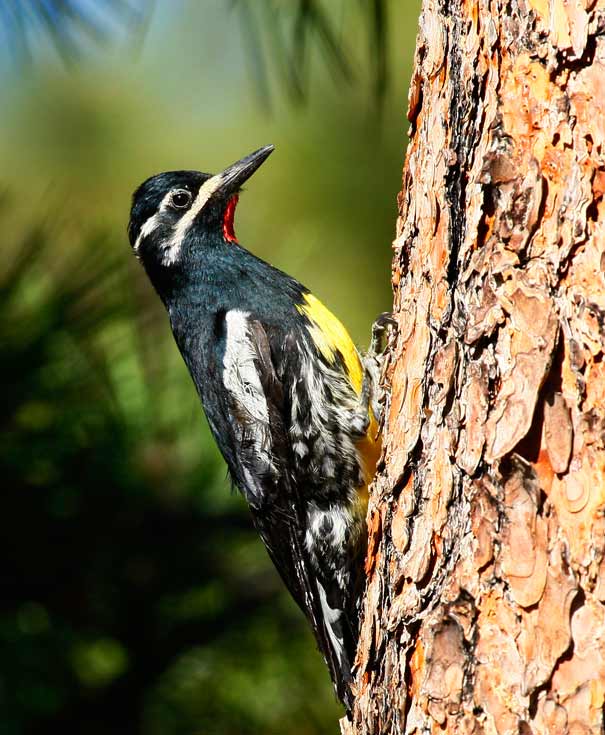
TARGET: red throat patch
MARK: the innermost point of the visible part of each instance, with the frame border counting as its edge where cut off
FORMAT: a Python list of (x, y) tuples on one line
[(228, 231)]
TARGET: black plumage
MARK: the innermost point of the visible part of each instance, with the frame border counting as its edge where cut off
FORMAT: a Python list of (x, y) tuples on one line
[(282, 388)]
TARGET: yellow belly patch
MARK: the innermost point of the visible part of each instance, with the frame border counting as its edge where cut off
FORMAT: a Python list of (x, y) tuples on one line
[(369, 449), (330, 337)]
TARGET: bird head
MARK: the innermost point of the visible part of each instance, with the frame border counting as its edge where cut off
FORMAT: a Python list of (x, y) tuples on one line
[(176, 214)]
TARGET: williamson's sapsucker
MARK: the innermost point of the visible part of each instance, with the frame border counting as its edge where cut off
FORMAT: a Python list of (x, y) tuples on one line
[(289, 399)]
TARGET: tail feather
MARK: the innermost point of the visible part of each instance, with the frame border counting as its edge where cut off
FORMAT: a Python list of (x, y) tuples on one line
[(337, 638)]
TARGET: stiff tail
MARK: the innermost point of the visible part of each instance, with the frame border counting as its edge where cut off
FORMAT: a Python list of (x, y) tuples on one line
[(340, 638)]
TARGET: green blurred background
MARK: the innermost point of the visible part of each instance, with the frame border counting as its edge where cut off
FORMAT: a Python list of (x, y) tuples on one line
[(136, 597)]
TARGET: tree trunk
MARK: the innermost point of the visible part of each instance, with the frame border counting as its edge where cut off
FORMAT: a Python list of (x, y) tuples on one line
[(484, 610)]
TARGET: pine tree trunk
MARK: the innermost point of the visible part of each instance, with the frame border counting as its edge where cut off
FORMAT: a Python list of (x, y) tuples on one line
[(484, 610)]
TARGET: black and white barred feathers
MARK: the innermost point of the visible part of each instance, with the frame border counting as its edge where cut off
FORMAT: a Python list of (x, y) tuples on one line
[(289, 399)]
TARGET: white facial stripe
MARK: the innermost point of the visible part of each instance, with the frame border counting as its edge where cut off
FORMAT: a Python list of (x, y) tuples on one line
[(151, 222), (148, 227), (183, 225), (172, 250)]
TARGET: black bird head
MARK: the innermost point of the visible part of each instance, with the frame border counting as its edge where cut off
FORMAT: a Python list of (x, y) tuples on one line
[(177, 214)]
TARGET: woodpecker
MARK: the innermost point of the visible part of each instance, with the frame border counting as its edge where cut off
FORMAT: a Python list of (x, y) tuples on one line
[(289, 399)]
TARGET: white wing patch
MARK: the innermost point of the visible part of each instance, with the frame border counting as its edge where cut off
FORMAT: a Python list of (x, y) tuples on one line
[(240, 374), (242, 382)]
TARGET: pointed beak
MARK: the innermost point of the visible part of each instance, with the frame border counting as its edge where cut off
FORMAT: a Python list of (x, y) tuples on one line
[(232, 178), (220, 185)]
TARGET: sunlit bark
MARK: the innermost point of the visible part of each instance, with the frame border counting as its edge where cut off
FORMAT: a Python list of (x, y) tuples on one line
[(484, 611)]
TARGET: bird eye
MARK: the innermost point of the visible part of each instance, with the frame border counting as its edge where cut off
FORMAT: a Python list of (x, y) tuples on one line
[(180, 199)]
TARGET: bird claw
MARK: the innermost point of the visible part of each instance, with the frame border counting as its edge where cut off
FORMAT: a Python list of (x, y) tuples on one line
[(372, 363), (383, 322)]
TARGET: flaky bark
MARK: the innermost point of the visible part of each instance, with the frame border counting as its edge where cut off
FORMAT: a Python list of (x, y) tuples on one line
[(486, 575)]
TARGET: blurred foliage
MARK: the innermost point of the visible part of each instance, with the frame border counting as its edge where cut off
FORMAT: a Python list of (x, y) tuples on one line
[(69, 25), (137, 597), (275, 33), (130, 586), (280, 32)]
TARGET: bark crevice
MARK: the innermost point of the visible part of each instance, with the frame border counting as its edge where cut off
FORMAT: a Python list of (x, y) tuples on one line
[(485, 605)]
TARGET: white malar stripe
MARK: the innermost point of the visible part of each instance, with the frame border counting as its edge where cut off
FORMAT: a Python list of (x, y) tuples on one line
[(152, 222), (180, 231), (240, 375), (148, 227)]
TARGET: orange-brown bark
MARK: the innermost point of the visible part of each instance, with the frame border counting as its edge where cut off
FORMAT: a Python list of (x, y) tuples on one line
[(484, 611)]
